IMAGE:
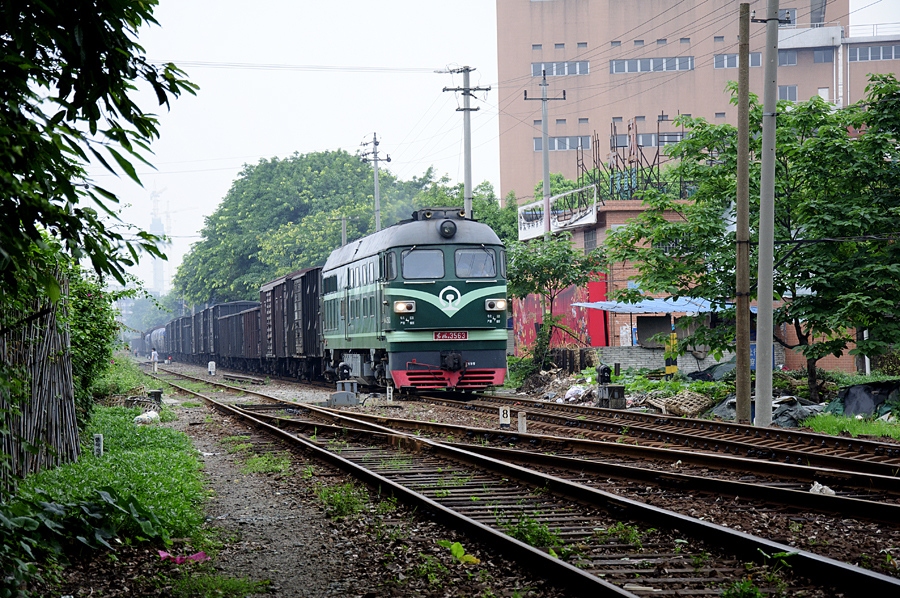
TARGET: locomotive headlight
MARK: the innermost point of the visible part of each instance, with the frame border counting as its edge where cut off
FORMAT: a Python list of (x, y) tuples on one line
[(404, 307), (447, 229), (495, 304)]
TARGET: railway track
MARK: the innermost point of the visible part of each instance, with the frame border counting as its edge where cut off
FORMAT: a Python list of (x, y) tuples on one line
[(610, 544), (687, 434)]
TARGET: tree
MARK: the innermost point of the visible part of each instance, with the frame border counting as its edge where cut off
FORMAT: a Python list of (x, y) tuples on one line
[(284, 215), (837, 203), (546, 266), (69, 71), (272, 196)]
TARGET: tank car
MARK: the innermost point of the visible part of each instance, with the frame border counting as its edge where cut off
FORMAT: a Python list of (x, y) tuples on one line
[(419, 305)]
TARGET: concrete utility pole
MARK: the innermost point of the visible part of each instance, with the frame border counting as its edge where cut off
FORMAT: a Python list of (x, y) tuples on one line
[(467, 92), (742, 286), (374, 158), (767, 224), (545, 145)]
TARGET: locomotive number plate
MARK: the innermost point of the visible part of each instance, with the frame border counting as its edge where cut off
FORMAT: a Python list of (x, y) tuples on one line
[(456, 335)]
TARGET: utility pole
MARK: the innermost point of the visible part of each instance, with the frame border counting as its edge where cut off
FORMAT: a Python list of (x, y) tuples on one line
[(467, 92), (545, 146), (343, 220), (767, 224), (742, 286), (374, 158)]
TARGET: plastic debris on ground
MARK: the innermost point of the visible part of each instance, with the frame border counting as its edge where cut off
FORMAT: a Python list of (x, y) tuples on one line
[(873, 398), (818, 488), (788, 412), (147, 418)]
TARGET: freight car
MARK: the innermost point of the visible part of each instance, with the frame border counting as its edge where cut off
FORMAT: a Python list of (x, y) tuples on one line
[(419, 305)]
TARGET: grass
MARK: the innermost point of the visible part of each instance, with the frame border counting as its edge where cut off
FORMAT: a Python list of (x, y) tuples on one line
[(343, 500), (122, 376), (532, 532), (217, 586), (267, 463), (828, 423), (155, 465)]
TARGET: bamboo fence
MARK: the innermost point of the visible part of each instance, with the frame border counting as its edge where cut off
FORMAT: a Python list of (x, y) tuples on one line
[(40, 425)]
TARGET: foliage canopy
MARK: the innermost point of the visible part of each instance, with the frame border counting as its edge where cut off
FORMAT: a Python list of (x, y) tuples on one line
[(69, 71)]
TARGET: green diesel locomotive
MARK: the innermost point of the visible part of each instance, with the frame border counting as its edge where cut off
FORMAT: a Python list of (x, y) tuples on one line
[(419, 305)]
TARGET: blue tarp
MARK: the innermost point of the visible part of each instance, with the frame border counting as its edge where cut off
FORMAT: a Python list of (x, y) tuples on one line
[(689, 305)]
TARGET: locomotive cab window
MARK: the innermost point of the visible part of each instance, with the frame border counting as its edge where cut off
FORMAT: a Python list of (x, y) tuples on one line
[(475, 263), (423, 263)]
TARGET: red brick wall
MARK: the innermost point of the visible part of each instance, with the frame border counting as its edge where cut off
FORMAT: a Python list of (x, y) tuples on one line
[(794, 360)]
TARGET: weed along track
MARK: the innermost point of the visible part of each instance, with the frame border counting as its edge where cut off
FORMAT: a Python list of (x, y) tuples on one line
[(582, 538)]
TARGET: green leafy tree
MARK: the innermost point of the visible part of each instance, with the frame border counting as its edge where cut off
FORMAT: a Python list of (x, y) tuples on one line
[(546, 266), (269, 197), (284, 215), (837, 202), (69, 72)]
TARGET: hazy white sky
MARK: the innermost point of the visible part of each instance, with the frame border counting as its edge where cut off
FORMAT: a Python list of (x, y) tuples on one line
[(284, 76)]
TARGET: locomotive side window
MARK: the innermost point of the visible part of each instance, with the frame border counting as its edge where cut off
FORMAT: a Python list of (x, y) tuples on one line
[(423, 263), (390, 266), (475, 263), (371, 271), (503, 263), (330, 284)]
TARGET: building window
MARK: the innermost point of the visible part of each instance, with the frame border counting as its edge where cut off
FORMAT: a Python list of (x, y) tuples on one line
[(719, 38), (685, 40), (582, 44), (640, 119), (560, 121), (615, 44), (661, 42), (823, 55), (559, 46), (670, 138), (787, 57), (638, 42), (720, 115), (560, 69), (537, 123), (582, 121), (874, 53), (536, 46), (730, 61), (787, 17), (560, 144), (617, 119), (646, 139), (787, 92), (590, 239), (652, 65)]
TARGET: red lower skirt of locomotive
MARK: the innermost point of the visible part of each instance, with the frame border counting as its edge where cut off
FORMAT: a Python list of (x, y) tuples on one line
[(428, 378)]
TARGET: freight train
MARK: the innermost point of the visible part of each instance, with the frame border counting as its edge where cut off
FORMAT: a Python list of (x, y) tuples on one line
[(418, 305)]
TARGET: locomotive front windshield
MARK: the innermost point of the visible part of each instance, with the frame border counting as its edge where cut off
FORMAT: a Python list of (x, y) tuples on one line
[(475, 263), (423, 263)]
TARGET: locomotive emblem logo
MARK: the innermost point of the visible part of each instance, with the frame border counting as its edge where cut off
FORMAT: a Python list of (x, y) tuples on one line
[(449, 298)]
